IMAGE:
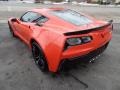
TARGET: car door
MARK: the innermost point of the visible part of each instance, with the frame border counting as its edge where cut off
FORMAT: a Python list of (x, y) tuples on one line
[(25, 25)]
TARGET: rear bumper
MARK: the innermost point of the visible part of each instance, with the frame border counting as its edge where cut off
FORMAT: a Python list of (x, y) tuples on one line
[(91, 54), (84, 58)]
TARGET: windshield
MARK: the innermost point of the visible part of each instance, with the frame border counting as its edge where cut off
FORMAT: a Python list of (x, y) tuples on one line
[(72, 17)]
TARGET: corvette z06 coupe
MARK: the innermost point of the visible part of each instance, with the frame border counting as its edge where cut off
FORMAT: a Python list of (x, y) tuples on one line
[(55, 35)]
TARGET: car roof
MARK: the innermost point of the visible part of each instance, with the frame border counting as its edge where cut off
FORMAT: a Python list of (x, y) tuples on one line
[(45, 11), (64, 25)]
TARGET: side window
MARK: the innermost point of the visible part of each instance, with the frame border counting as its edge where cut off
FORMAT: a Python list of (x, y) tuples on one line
[(30, 17), (42, 19)]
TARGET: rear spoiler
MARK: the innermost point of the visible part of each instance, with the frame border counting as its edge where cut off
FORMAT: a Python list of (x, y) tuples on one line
[(89, 30)]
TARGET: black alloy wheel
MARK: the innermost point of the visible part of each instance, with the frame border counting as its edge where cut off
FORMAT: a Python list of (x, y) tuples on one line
[(39, 57)]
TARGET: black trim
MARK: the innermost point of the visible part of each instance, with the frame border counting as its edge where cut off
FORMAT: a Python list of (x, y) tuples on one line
[(89, 30)]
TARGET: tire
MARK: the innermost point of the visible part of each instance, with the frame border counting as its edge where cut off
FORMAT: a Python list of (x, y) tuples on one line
[(11, 30), (39, 57)]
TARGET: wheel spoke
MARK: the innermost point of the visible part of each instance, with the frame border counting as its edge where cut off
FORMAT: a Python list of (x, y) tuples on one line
[(38, 57)]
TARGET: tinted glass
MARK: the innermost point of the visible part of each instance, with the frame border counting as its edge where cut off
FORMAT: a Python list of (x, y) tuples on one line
[(72, 17), (42, 19), (30, 17)]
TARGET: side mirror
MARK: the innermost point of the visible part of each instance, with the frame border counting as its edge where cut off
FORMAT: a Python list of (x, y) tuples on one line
[(15, 20)]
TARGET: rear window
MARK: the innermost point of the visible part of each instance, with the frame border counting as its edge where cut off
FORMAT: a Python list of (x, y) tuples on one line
[(72, 17)]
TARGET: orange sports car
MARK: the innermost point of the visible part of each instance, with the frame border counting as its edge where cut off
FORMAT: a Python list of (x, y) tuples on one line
[(55, 35)]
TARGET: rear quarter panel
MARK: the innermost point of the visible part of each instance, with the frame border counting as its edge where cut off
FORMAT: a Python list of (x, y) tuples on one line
[(52, 44)]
